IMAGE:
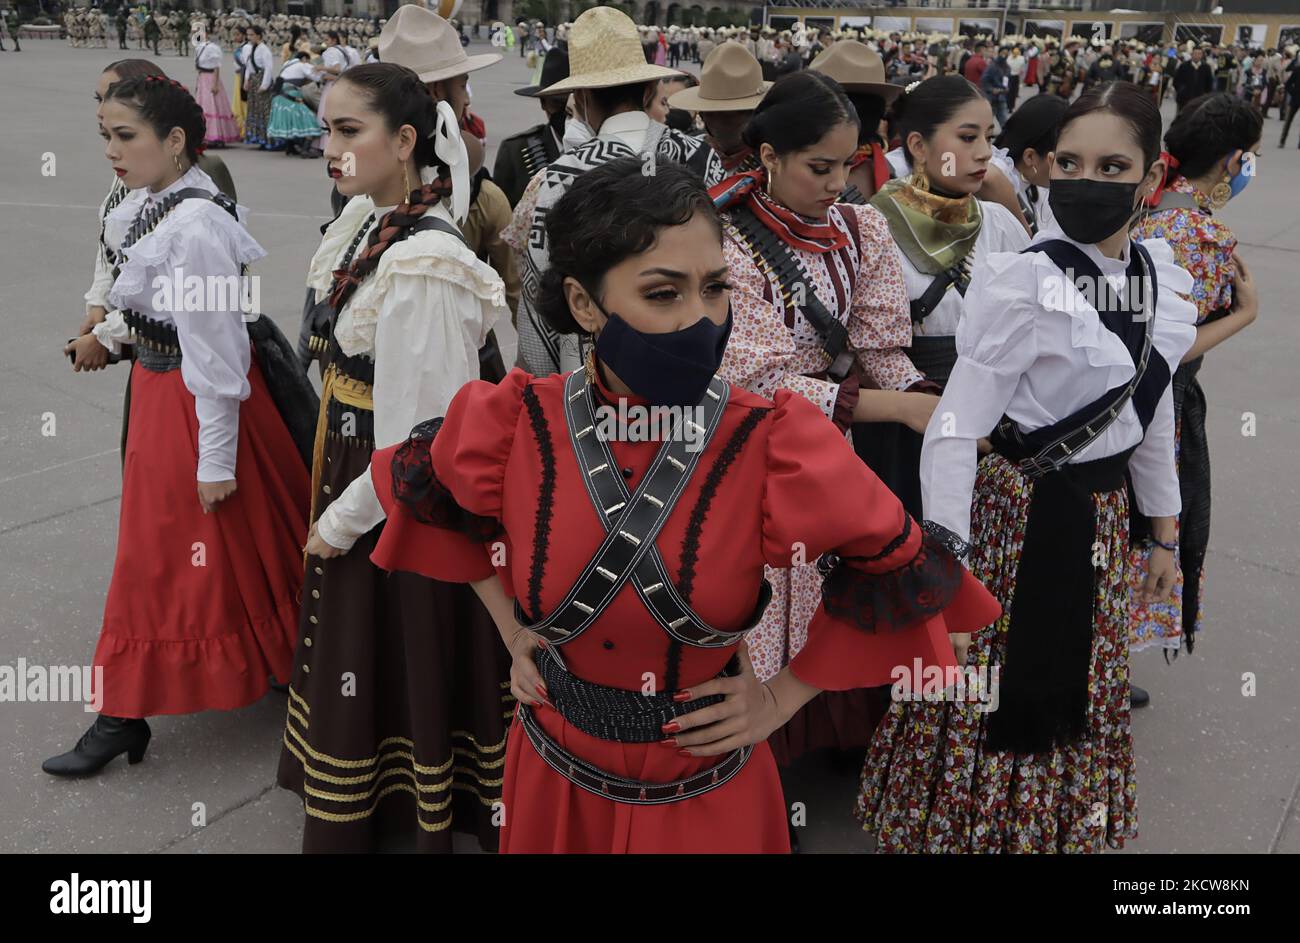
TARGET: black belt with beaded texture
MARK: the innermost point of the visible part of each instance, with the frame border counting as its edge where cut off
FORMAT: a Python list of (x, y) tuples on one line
[(595, 780)]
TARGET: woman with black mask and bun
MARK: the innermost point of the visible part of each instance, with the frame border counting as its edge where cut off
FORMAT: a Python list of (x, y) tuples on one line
[(1065, 353), (1211, 153), (396, 722), (637, 546), (819, 310), (941, 231)]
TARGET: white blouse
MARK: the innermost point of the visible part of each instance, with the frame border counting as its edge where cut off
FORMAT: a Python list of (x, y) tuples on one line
[(333, 57), (296, 69), (1001, 159), (1000, 231), (196, 239), (208, 56), (260, 57), (1030, 346), (422, 316)]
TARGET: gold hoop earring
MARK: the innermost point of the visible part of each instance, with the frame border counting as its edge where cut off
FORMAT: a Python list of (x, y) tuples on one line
[(1221, 193), (920, 180)]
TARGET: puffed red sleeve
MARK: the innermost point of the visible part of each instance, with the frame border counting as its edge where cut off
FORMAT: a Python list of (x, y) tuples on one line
[(442, 487), (892, 592)]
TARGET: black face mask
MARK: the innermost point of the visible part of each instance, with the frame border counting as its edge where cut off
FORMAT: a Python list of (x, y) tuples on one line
[(556, 121), (1090, 210), (670, 369)]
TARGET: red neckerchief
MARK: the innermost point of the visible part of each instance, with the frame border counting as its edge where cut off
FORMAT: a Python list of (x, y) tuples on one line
[(879, 166), (794, 230)]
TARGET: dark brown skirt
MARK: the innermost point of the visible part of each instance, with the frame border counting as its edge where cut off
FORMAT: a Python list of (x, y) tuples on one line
[(399, 701)]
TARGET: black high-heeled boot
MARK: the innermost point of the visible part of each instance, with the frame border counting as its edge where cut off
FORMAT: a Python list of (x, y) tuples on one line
[(106, 738)]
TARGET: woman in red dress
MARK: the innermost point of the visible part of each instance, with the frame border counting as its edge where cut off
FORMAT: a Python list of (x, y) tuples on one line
[(202, 609), (641, 725)]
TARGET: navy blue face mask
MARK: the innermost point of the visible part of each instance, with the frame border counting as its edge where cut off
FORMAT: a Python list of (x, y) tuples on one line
[(669, 369)]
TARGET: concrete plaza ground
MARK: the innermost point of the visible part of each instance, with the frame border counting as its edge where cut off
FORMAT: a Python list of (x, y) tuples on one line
[(1218, 771)]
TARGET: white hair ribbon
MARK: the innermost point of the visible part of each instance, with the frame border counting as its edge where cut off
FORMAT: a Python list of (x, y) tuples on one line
[(450, 148)]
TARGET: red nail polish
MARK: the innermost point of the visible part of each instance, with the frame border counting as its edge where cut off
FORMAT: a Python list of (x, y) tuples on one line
[(540, 688), (682, 696), (671, 727), (670, 742), (685, 753)]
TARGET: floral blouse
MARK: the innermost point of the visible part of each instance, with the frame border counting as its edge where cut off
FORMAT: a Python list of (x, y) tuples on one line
[(1202, 244)]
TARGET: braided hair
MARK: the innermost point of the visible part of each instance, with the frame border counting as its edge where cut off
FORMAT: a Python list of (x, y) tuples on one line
[(164, 104), (397, 94), (1211, 128)]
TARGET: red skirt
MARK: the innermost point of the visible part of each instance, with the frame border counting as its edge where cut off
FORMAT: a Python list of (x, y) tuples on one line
[(202, 608), (545, 813)]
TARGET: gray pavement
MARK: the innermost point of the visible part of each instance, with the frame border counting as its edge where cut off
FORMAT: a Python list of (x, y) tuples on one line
[(1218, 771)]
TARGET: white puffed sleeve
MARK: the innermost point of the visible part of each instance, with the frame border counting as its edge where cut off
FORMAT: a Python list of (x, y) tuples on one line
[(426, 349), (353, 513), (215, 354), (112, 332), (996, 344), (101, 284), (267, 64), (1152, 468)]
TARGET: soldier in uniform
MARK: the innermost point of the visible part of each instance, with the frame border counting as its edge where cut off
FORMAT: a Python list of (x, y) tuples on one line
[(522, 155)]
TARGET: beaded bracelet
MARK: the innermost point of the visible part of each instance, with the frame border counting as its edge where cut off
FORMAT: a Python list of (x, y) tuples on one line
[(1171, 547)]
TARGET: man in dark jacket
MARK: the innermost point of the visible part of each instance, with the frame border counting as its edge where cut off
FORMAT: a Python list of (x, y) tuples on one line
[(1193, 79), (995, 83), (522, 155)]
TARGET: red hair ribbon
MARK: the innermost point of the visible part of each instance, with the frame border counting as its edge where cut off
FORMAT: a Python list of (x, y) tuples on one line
[(1171, 171)]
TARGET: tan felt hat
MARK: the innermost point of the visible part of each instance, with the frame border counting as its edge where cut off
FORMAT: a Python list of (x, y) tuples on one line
[(856, 68), (427, 45), (731, 80), (604, 51)]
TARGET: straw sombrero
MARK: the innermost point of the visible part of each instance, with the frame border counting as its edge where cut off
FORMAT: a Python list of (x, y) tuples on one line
[(856, 68), (604, 51), (730, 80), (427, 45)]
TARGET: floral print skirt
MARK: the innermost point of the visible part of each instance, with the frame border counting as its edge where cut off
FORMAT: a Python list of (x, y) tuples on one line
[(929, 785)]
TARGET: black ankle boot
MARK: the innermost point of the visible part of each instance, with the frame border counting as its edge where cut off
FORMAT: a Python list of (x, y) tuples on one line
[(1138, 697), (106, 738)]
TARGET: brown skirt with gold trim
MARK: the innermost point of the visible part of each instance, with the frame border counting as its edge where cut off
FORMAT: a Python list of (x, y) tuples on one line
[(400, 697)]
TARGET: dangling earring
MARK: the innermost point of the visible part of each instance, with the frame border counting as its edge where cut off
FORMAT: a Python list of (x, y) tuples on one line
[(406, 177), (920, 179), (1221, 193), (767, 184), (176, 158)]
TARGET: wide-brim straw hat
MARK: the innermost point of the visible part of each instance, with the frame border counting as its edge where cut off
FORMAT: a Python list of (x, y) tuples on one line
[(427, 45), (856, 68), (730, 80), (604, 51)]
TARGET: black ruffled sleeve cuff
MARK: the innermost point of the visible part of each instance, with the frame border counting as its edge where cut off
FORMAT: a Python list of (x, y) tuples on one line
[(417, 487), (894, 599)]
